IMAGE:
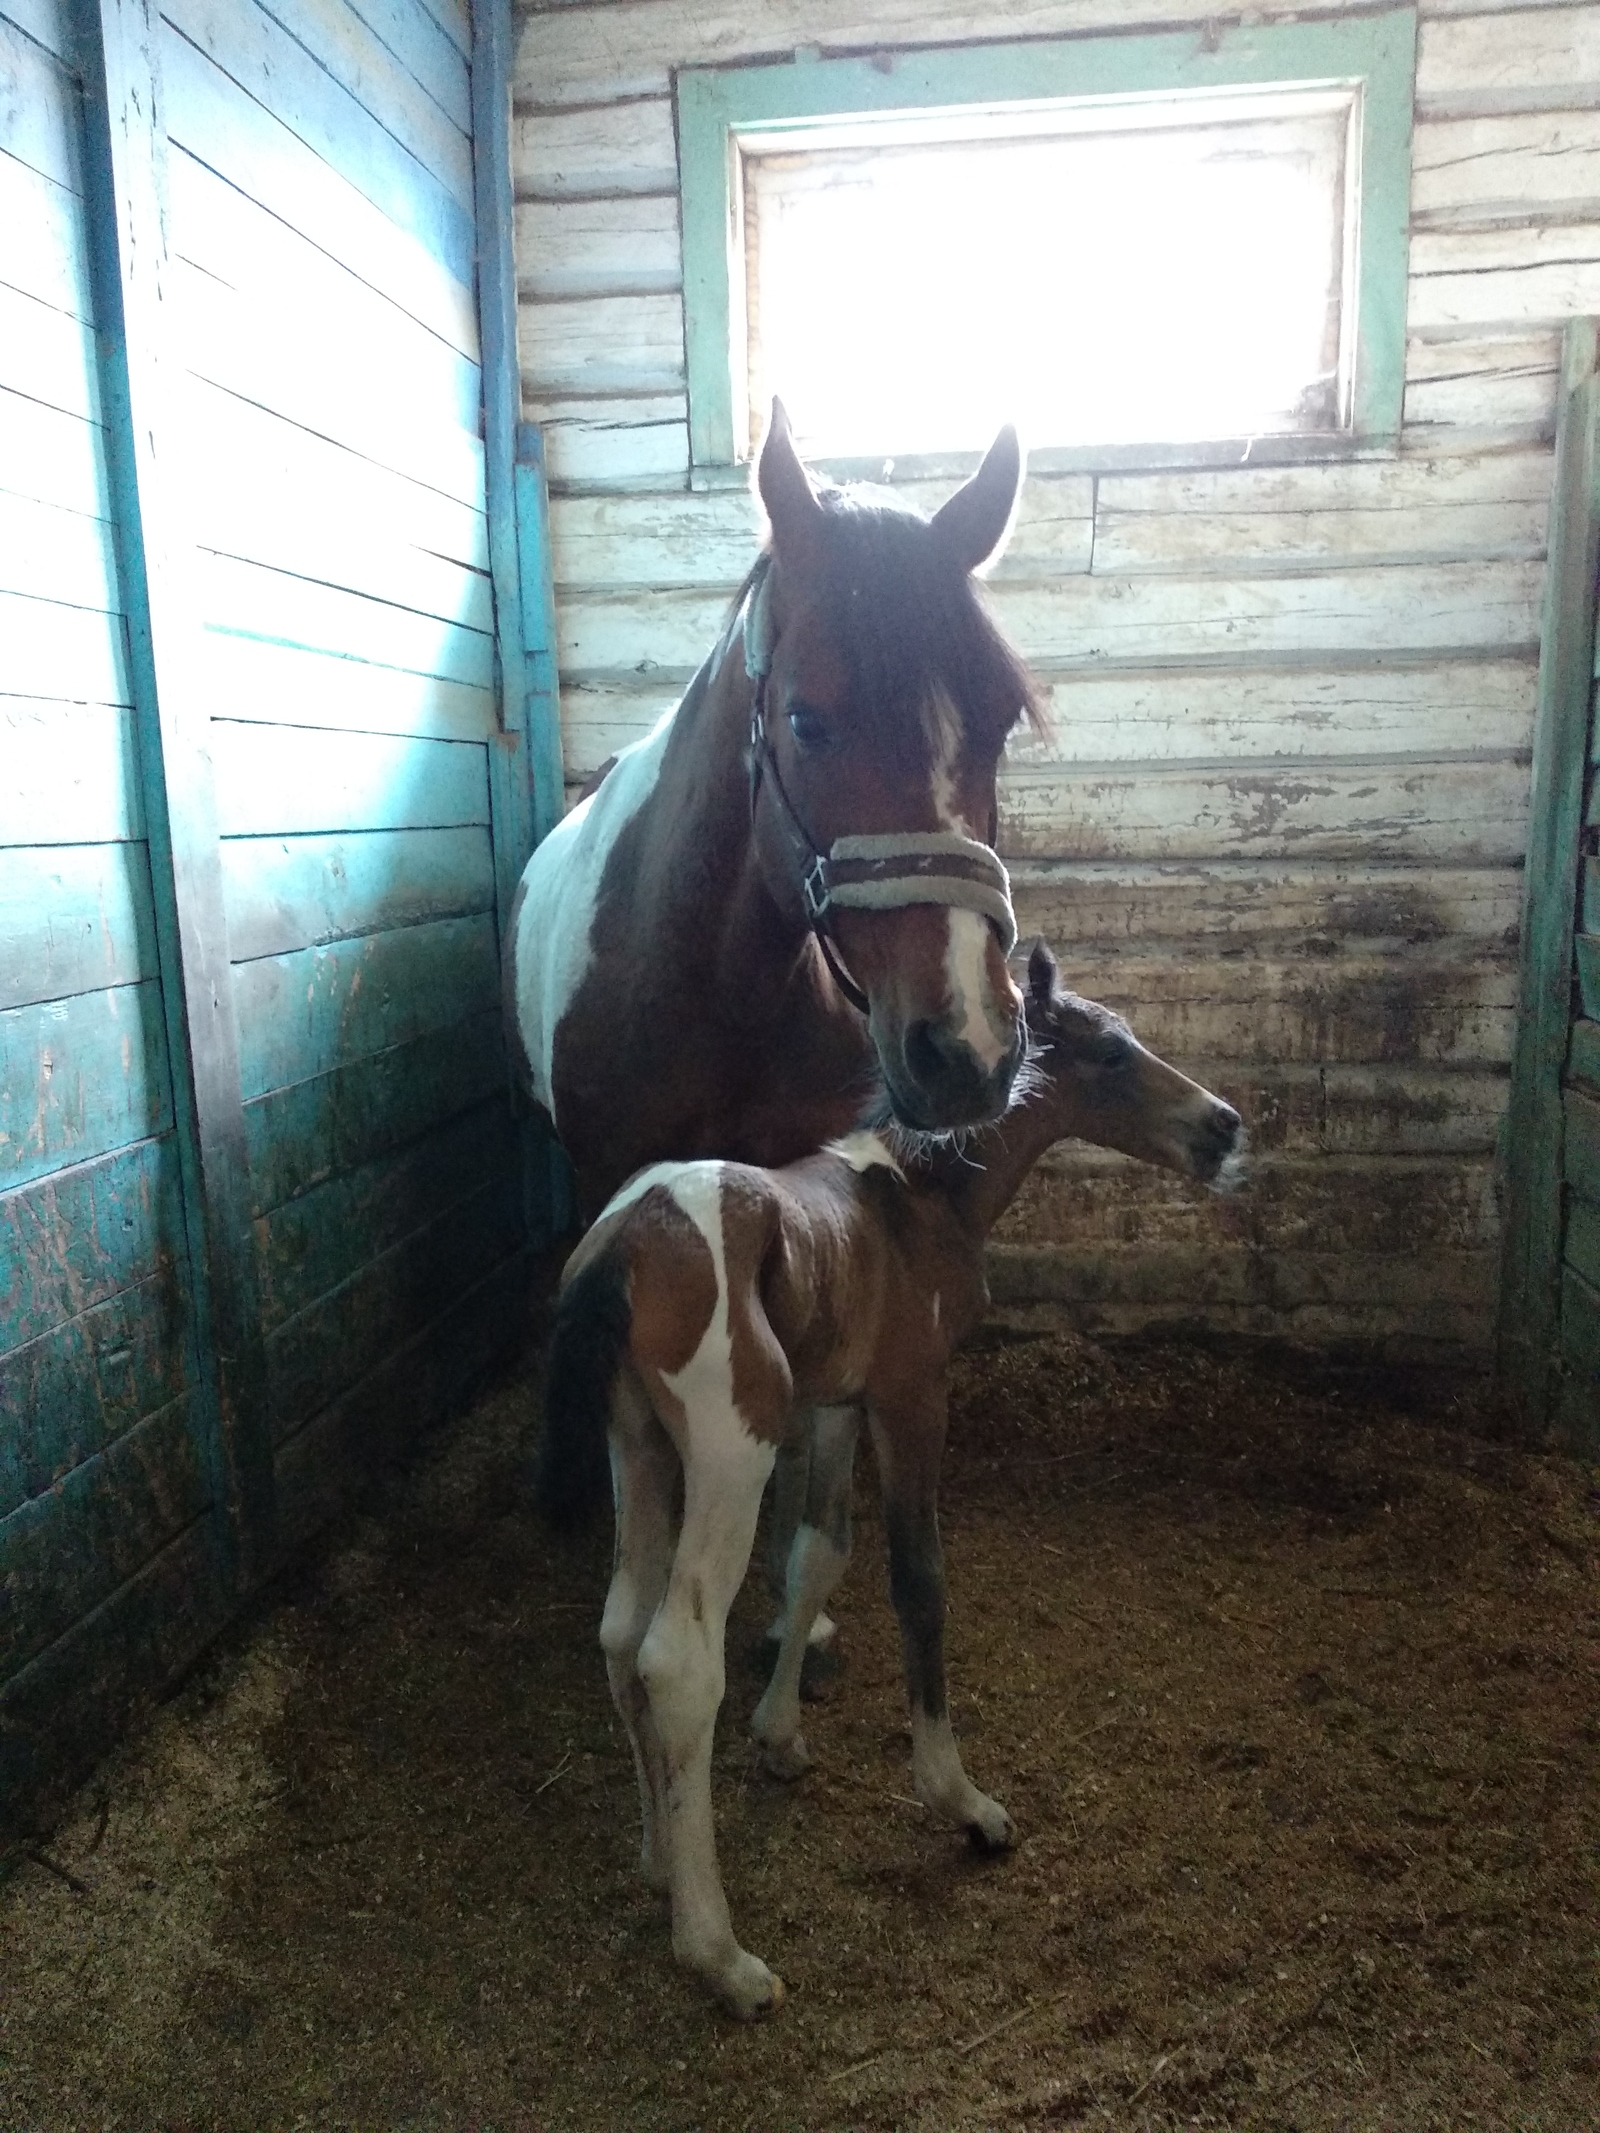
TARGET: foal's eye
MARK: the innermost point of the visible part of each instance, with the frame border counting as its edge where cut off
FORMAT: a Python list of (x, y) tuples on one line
[(810, 729), (1116, 1051)]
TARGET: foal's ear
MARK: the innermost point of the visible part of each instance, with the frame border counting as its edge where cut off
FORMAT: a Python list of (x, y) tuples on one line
[(786, 492), (975, 522), (1042, 974)]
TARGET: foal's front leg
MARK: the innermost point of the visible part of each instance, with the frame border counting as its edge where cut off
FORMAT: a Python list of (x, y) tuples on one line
[(818, 1554), (908, 1438), (681, 1663)]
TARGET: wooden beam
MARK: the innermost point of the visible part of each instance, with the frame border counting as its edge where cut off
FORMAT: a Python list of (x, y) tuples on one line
[(1530, 1293), (497, 329), (126, 147), (525, 772), (539, 630)]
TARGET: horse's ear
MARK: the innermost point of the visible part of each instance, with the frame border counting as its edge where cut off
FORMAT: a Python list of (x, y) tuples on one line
[(786, 492), (976, 520), (1042, 973)]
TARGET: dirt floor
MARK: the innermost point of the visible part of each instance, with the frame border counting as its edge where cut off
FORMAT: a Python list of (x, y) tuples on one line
[(1288, 1679)]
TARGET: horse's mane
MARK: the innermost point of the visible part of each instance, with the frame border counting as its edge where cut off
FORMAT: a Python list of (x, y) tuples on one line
[(912, 625)]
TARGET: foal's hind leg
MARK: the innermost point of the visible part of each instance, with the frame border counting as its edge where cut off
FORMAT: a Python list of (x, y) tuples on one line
[(908, 1438), (817, 1558), (644, 1470), (682, 1665)]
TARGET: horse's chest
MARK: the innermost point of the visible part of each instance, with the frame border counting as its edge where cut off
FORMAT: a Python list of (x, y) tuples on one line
[(671, 1080)]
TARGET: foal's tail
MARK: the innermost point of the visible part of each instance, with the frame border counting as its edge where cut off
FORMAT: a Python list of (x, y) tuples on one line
[(586, 1352)]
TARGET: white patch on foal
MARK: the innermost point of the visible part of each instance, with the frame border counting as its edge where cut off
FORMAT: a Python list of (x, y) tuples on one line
[(562, 883), (637, 1186), (725, 1469), (864, 1151)]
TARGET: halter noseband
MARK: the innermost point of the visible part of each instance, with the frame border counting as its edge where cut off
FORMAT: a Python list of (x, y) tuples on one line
[(870, 873)]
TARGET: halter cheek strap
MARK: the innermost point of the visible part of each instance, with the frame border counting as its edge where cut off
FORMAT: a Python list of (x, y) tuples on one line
[(867, 873)]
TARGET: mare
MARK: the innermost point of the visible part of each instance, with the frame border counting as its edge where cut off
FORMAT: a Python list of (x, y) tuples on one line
[(786, 897), (717, 1310)]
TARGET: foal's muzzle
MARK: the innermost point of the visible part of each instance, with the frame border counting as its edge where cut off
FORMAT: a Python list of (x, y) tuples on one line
[(1216, 1143)]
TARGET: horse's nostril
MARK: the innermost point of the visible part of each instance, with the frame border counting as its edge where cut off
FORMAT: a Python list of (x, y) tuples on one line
[(1228, 1120), (927, 1053)]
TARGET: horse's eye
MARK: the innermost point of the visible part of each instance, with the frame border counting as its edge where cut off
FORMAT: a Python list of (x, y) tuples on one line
[(810, 729), (1116, 1052)]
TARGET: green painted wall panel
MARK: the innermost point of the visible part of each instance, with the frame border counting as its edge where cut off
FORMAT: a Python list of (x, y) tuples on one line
[(285, 893), (267, 61), (287, 780), (321, 1008), (70, 1393), (44, 251), (37, 109), (49, 651), (323, 1350), (74, 1239), (71, 774), (73, 918), (1586, 956), (1580, 1328), (65, 1551), (79, 1077), (1583, 1057), (53, 454), (1581, 1144), (70, 1703), (308, 1246), (1582, 1244), (47, 553), (46, 356), (300, 1137), (425, 1380)]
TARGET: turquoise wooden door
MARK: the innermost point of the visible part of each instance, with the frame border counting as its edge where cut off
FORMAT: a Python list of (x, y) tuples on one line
[(110, 1551), (264, 796), (1550, 1321)]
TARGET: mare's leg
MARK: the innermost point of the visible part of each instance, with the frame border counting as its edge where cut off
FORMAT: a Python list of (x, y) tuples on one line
[(644, 1472), (908, 1438), (791, 1493), (817, 1558), (682, 1666)]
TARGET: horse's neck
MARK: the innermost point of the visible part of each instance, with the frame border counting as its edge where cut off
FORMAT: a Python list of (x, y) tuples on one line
[(981, 1178), (704, 896)]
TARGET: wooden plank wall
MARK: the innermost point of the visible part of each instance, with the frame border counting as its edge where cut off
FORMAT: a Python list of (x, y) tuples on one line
[(321, 221), (105, 1494), (318, 428), (1283, 818)]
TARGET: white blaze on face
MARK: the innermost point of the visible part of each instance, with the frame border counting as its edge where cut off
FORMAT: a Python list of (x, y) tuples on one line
[(966, 969), (974, 1016), (551, 949)]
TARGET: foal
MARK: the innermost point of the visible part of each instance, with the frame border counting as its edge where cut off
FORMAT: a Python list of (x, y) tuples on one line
[(708, 1303)]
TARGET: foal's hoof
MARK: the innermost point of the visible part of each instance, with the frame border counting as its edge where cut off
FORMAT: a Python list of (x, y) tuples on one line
[(749, 1989), (991, 1829), (785, 1759)]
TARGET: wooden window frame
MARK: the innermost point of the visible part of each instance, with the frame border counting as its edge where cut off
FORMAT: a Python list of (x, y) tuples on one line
[(717, 105)]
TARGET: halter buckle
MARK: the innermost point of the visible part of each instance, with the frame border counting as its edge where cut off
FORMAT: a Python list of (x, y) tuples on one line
[(815, 891)]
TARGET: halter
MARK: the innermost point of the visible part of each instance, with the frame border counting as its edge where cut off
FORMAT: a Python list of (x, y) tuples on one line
[(871, 873)]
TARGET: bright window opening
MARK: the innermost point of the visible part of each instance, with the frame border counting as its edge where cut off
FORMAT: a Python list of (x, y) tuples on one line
[(1174, 268)]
